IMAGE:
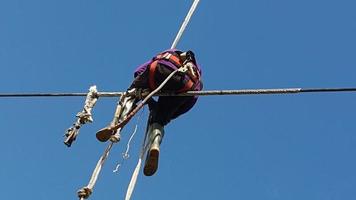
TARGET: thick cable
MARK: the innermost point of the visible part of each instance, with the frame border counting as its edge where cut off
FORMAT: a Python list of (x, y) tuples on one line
[(328, 90), (193, 93), (185, 23)]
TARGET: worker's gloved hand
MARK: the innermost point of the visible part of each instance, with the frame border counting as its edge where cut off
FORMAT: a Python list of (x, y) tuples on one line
[(191, 70)]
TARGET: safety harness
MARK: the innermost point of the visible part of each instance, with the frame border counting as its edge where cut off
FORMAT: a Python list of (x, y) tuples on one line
[(177, 62)]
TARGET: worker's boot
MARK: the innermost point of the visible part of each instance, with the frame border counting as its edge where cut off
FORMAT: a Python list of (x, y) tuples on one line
[(156, 133)]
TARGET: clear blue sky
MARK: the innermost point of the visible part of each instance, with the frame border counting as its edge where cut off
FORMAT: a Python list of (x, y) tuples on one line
[(276, 147)]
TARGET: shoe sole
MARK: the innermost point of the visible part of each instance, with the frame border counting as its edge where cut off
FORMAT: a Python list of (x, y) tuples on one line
[(104, 134), (151, 162)]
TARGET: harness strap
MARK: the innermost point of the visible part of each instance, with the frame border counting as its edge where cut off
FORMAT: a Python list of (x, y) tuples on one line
[(170, 57), (177, 62), (151, 74)]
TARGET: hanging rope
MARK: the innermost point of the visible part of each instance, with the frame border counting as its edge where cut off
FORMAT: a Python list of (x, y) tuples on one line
[(126, 154), (85, 192), (134, 176), (83, 117)]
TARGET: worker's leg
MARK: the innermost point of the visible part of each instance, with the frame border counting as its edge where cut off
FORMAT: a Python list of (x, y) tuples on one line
[(155, 135), (161, 113), (168, 108), (185, 106)]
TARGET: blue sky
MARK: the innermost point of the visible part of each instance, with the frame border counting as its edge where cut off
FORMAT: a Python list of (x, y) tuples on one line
[(272, 147)]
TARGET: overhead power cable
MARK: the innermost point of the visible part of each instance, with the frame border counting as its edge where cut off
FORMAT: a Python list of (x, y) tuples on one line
[(193, 93)]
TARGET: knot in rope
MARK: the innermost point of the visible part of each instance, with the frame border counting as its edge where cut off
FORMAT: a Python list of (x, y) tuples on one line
[(85, 192)]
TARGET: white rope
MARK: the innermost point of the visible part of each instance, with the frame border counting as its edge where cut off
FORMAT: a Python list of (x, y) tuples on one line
[(85, 192), (126, 154), (134, 176), (133, 181), (99, 165), (185, 23)]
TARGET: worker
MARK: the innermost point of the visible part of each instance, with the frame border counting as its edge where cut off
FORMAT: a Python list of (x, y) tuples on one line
[(149, 76)]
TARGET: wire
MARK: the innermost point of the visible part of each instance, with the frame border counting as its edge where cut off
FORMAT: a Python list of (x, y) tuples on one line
[(329, 90), (42, 94), (192, 93), (185, 23)]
